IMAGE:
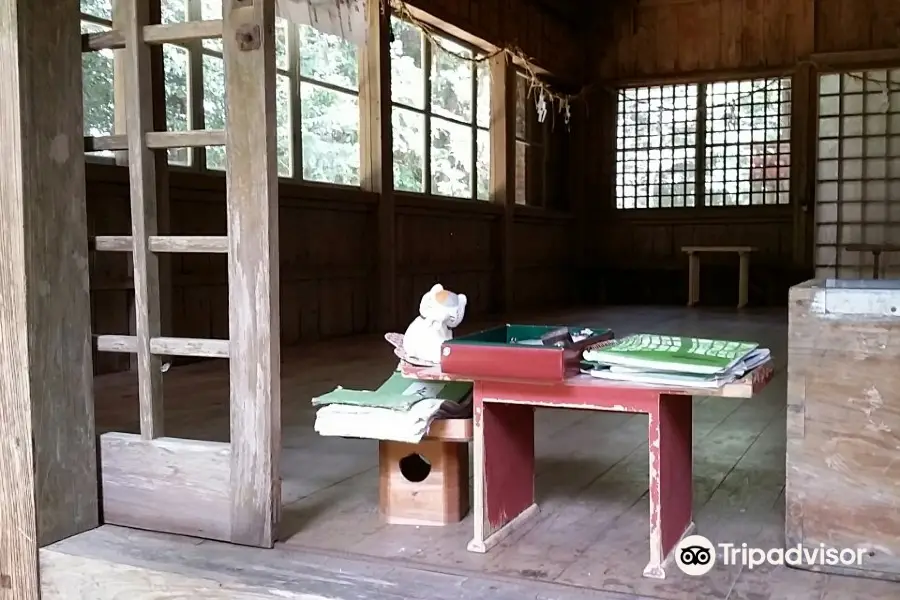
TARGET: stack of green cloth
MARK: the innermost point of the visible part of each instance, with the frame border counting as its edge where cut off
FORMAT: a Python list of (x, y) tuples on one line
[(401, 409)]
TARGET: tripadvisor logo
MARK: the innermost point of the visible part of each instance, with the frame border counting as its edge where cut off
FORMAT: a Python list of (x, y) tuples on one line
[(695, 555)]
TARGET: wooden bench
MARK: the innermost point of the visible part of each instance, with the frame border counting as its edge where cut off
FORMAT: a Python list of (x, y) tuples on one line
[(693, 253), (426, 483), (876, 250)]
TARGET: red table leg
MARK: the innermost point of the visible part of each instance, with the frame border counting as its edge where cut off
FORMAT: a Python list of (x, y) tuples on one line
[(671, 480), (504, 469)]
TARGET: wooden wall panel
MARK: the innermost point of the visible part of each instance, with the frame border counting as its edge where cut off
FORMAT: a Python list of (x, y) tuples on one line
[(661, 37), (519, 23), (655, 38), (545, 260), (851, 25), (640, 260), (449, 242)]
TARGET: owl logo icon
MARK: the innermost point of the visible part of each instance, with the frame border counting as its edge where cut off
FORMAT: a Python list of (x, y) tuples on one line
[(695, 555)]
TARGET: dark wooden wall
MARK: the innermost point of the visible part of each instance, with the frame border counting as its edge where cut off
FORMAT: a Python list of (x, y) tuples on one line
[(328, 234), (664, 41)]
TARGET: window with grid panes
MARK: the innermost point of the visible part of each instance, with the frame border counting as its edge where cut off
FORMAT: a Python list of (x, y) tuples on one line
[(440, 115), (97, 74), (530, 147), (858, 171), (317, 89), (748, 149), (743, 159), (213, 79)]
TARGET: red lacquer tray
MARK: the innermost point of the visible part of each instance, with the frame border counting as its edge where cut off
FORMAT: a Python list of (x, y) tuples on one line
[(515, 352)]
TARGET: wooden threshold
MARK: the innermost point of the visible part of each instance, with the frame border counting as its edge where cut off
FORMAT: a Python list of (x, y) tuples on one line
[(166, 484)]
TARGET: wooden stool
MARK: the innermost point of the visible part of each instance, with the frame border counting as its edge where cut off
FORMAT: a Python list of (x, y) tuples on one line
[(426, 483), (693, 253)]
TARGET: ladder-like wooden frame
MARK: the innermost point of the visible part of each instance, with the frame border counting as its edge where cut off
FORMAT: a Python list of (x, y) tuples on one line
[(223, 491)]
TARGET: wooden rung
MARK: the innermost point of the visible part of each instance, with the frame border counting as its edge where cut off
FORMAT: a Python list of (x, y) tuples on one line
[(164, 346), (170, 33), (196, 244), (200, 244), (159, 140), (111, 243), (163, 140)]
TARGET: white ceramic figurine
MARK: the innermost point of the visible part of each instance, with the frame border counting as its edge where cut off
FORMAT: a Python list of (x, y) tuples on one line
[(440, 311)]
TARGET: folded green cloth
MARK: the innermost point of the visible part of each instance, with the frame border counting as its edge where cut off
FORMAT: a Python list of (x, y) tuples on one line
[(398, 393)]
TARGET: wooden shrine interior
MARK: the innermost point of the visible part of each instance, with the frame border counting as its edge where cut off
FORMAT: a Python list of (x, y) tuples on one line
[(354, 262)]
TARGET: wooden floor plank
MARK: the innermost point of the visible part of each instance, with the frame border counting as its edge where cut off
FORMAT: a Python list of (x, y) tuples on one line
[(112, 562)]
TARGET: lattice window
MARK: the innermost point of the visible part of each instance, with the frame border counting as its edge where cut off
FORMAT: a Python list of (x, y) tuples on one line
[(710, 144), (858, 171), (656, 147), (748, 149)]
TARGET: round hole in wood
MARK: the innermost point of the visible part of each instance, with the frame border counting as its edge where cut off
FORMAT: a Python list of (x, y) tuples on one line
[(415, 468)]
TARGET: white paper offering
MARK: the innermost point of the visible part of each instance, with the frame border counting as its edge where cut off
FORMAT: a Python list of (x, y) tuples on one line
[(344, 18)]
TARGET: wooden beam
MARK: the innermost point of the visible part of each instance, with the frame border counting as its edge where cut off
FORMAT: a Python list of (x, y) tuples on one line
[(167, 484), (159, 140), (503, 168), (164, 346), (48, 472), (202, 244), (156, 34), (253, 293), (377, 159)]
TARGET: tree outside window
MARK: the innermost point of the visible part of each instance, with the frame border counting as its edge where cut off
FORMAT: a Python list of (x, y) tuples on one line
[(441, 108), (317, 93), (709, 144)]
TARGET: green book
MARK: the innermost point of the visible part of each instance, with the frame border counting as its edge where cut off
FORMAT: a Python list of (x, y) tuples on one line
[(653, 352), (398, 393)]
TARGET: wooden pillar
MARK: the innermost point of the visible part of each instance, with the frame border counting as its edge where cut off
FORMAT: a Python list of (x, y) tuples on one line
[(48, 470), (804, 113), (377, 158), (503, 169), (248, 37)]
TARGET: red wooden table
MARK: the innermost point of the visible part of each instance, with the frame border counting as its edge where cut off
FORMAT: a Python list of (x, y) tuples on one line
[(504, 459)]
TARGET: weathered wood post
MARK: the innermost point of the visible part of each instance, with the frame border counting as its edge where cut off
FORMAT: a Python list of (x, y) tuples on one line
[(48, 467)]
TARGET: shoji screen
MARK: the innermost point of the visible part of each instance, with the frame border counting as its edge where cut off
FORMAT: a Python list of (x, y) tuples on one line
[(858, 195)]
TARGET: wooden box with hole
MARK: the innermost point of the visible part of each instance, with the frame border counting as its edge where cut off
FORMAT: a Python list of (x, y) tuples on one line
[(426, 483)]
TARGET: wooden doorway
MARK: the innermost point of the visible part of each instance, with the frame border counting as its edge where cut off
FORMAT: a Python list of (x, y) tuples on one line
[(216, 490)]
